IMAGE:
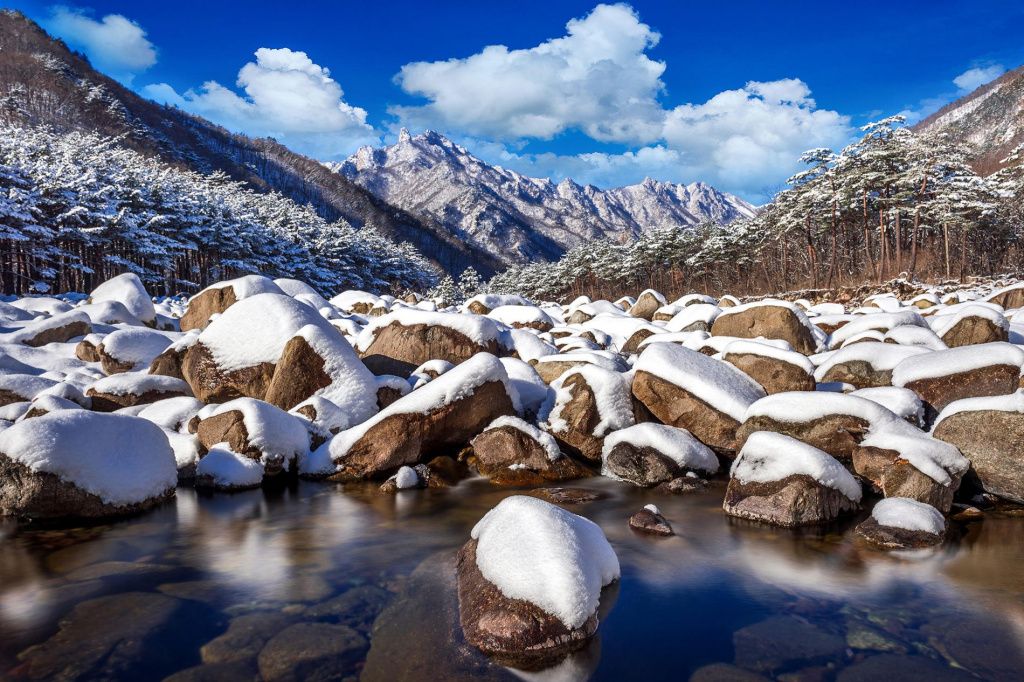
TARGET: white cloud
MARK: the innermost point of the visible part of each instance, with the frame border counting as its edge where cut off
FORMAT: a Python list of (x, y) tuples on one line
[(288, 97), (974, 78), (115, 44), (748, 139), (595, 78)]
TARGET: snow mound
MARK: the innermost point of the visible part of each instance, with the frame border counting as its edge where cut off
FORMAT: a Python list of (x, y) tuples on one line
[(128, 290), (249, 285), (908, 514), (137, 383), (903, 402), (676, 444), (172, 413), (612, 397), (122, 460), (1013, 402), (406, 478), (137, 346), (534, 551), (275, 433), (520, 314), (229, 469), (717, 383), (876, 322), (767, 457)]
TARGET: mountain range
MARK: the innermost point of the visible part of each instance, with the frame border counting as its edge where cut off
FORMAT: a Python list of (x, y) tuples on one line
[(519, 217)]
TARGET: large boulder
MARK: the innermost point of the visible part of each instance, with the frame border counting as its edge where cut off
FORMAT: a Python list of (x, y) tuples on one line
[(443, 415), (401, 341), (648, 454), (647, 303), (530, 580), (782, 481), (777, 370), (550, 367), (274, 348), (218, 297), (865, 365), (772, 319), (689, 390), (133, 388), (1008, 297), (970, 324), (585, 404), (257, 430), (942, 377), (75, 463), (990, 433), (511, 451), (128, 350), (58, 328)]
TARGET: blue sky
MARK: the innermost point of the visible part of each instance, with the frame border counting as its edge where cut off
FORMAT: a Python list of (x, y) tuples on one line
[(728, 93)]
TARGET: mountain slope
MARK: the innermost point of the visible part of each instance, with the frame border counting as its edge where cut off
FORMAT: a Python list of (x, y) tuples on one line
[(990, 120), (42, 82), (519, 217)]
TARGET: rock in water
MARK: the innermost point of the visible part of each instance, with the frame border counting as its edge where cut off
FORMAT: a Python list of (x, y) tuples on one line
[(74, 463), (782, 481), (650, 520), (587, 403), (648, 454), (903, 523), (512, 451), (530, 581)]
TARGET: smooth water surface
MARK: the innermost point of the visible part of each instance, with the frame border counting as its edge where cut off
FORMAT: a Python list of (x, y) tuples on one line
[(144, 598)]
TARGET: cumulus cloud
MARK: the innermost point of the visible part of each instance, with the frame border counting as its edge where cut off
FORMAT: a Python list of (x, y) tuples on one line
[(287, 96), (595, 78), (975, 77), (114, 44), (749, 138)]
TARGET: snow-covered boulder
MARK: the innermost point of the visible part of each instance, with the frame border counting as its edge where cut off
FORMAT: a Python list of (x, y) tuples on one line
[(172, 414), (689, 390), (969, 324), (989, 431), (129, 291), (223, 469), (770, 318), (647, 303), (550, 367), (131, 349), (217, 298), (903, 402), (257, 430), (694, 318), (399, 342), (74, 463), (390, 388), (777, 370), (527, 382), (865, 365), (481, 304), (1008, 297), (20, 388), (358, 302), (58, 328), (648, 454), (903, 523), (585, 404), (133, 388), (880, 322), (530, 581), (651, 521), (511, 451), (522, 317), (942, 377), (443, 415), (427, 372), (274, 348), (782, 481)]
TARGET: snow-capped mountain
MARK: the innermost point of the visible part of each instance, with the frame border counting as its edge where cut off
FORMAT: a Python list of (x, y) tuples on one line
[(519, 218), (990, 120)]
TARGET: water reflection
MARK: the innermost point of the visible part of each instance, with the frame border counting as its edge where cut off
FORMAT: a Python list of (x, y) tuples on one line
[(350, 556)]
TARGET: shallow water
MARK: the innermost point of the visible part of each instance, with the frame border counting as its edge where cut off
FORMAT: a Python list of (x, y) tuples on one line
[(152, 591)]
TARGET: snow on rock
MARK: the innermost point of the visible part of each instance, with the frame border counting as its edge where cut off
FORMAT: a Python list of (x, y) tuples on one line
[(771, 318), (1014, 402), (522, 316), (58, 328), (611, 399), (274, 436), (956, 361), (528, 384), (901, 401), (481, 304), (882, 322), (535, 551), (223, 469), (172, 414), (529, 346), (122, 460), (22, 387), (126, 350), (696, 317), (128, 290), (865, 364), (908, 514), (546, 440), (909, 335), (768, 457), (138, 384), (679, 445), (406, 478), (477, 328)]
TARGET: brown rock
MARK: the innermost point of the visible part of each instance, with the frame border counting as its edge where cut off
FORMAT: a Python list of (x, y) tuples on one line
[(298, 374), (386, 395), (498, 449), (512, 631), (774, 375), (398, 349), (312, 651), (581, 417), (797, 500), (859, 374), (973, 330), (837, 434), (632, 344), (642, 466), (652, 523), (211, 384), (769, 321), (86, 351), (647, 305), (888, 537), (675, 406), (109, 402), (994, 442), (992, 380), (1012, 298), (168, 363), (403, 438), (110, 364), (566, 495), (206, 304), (896, 477), (59, 334), (41, 495)]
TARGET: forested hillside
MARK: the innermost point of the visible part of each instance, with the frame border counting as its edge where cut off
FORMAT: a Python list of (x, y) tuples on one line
[(76, 209), (894, 202), (42, 82)]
